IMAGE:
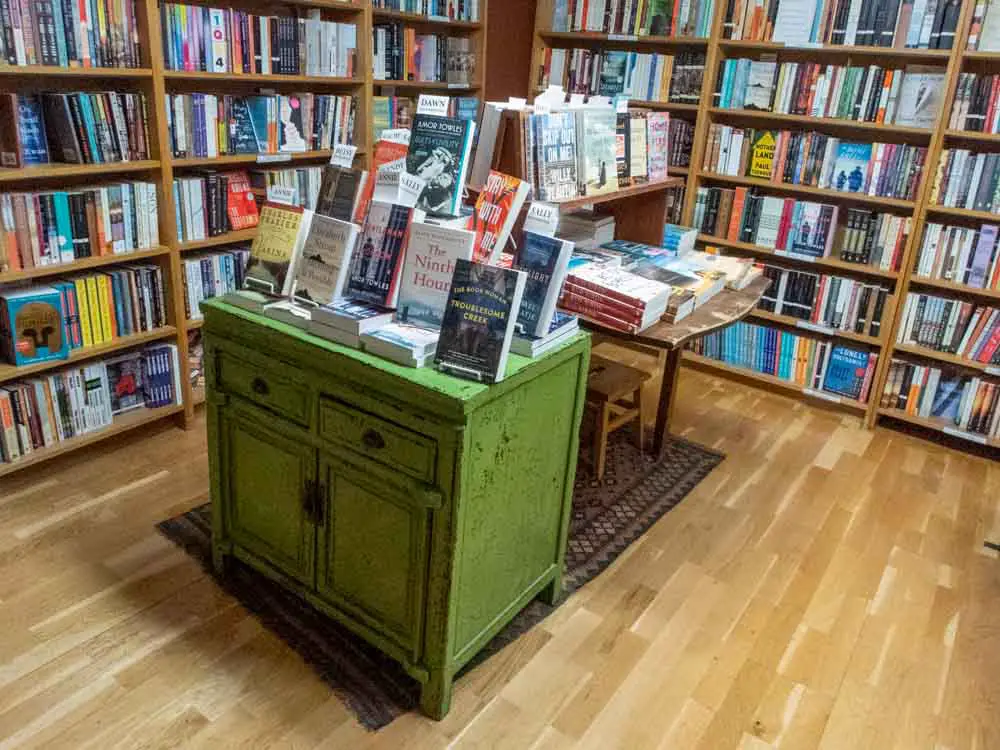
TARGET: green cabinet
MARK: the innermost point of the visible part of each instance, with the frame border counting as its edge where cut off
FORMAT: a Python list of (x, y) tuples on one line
[(419, 510)]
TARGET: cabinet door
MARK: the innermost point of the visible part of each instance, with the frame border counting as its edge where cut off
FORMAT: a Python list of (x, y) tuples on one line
[(268, 476), (372, 551)]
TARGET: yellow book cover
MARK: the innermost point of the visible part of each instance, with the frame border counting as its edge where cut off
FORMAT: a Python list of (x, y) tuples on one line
[(107, 307), (94, 300), (276, 248), (83, 303), (762, 155)]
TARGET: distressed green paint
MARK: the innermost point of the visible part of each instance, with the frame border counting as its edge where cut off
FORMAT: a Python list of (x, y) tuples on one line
[(420, 510)]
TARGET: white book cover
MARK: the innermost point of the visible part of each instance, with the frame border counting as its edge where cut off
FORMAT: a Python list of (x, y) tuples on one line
[(989, 36), (794, 22), (920, 97), (321, 273), (427, 271), (415, 340)]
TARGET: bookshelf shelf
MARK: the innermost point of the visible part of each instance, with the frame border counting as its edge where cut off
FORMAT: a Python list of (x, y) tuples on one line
[(939, 56), (193, 324), (65, 171), (774, 382), (618, 195), (416, 19), (816, 329), (978, 55), (834, 264), (678, 170), (956, 288), (244, 235), (53, 71), (342, 5), (84, 264), (267, 161), (963, 213), (938, 426), (972, 136), (593, 37), (945, 357), (830, 123), (173, 76), (825, 193), (122, 423), (10, 372), (429, 85)]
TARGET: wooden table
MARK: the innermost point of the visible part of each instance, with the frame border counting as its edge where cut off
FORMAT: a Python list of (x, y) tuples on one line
[(722, 310)]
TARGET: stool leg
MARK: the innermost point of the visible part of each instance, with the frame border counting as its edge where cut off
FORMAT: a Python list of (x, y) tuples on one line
[(601, 440), (641, 431)]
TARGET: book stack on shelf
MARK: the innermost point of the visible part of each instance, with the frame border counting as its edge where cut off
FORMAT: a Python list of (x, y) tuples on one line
[(967, 331), (402, 54), (208, 275), (303, 184), (669, 18), (213, 204), (960, 256)]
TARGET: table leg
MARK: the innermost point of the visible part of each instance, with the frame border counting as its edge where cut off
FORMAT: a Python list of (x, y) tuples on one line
[(671, 368)]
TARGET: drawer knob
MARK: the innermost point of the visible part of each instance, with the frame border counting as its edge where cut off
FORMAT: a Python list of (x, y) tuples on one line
[(372, 439), (259, 386)]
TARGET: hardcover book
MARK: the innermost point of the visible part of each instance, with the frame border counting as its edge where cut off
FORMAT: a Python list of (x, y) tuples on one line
[(845, 372), (291, 135), (339, 191), (544, 261), (125, 382), (851, 166), (761, 162), (22, 139), (920, 97), (241, 205), (497, 208), (555, 141), (243, 137), (32, 326), (429, 265), (658, 137), (595, 142), (378, 260), (439, 154), (276, 249), (479, 321), (321, 273)]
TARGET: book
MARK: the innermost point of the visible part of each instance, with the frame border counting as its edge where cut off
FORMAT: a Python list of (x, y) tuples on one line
[(850, 166), (320, 275), (377, 262), (352, 317), (479, 321), (762, 152), (439, 154), (339, 192), (561, 330), (920, 97), (497, 208), (544, 261), (31, 326), (212, 274), (241, 206), (595, 141), (23, 141), (276, 249), (428, 268), (846, 372), (125, 383), (402, 343)]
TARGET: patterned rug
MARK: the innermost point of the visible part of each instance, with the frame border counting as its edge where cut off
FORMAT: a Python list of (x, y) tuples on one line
[(607, 517)]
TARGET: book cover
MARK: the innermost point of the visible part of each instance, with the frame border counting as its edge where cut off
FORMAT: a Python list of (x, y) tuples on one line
[(948, 397), (23, 141), (845, 372), (276, 248), (439, 154), (760, 85), (321, 273), (595, 141), (555, 141), (428, 268), (378, 258), (658, 136), (614, 66), (241, 204), (291, 132), (850, 166), (125, 385), (32, 326), (544, 261), (761, 162), (920, 97), (243, 135), (352, 317), (386, 152), (497, 208), (479, 321), (414, 340), (338, 191)]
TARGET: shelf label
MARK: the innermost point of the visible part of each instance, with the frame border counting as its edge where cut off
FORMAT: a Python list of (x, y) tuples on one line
[(621, 105), (432, 104), (955, 432), (273, 158), (795, 256), (543, 218), (622, 38), (994, 370), (410, 188), (516, 102), (281, 194), (822, 395), (814, 327), (599, 101), (541, 106), (397, 135), (459, 85), (576, 100), (343, 155)]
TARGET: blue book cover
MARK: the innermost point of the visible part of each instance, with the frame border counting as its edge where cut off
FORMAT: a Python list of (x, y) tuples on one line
[(948, 398), (467, 108), (31, 128), (32, 325), (544, 260), (479, 321), (851, 166), (845, 372), (259, 107)]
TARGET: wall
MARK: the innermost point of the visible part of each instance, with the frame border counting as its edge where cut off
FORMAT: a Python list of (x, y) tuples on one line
[(511, 26)]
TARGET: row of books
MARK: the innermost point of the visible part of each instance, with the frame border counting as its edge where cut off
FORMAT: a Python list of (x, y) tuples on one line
[(80, 34), (869, 23), (803, 228), (691, 18), (301, 186), (51, 228), (206, 125), (212, 275), (75, 401), (392, 112), (966, 179), (975, 106), (910, 97), (649, 77), (213, 204), (984, 31), (963, 255), (75, 128), (681, 142), (443, 10), (226, 40), (827, 302), (947, 325), (969, 404), (399, 53), (890, 170), (813, 364), (44, 323)]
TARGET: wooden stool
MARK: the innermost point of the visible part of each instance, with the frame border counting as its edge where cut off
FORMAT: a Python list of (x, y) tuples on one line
[(608, 385)]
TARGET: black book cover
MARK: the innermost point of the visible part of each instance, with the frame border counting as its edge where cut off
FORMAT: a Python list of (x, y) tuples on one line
[(479, 319), (63, 128), (438, 153), (337, 192)]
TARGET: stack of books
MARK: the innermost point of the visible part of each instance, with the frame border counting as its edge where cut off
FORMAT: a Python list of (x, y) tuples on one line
[(960, 254), (213, 204), (871, 93), (613, 297), (967, 404), (678, 240), (49, 228), (586, 229), (795, 157), (975, 106), (399, 53), (242, 42), (403, 343), (665, 18), (304, 183), (212, 275), (967, 180), (965, 329), (436, 10), (346, 321)]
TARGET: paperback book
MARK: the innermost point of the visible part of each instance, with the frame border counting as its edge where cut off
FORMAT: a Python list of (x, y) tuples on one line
[(378, 260), (352, 317), (439, 154), (31, 326), (428, 268), (321, 273), (276, 249)]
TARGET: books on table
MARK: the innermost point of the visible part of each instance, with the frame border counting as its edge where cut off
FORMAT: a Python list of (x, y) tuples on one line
[(377, 262), (276, 249), (439, 154), (428, 268), (561, 329), (611, 296), (545, 261), (402, 343), (497, 208), (321, 272)]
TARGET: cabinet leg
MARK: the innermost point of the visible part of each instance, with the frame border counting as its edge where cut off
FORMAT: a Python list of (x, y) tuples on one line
[(552, 593), (435, 695), (221, 562)]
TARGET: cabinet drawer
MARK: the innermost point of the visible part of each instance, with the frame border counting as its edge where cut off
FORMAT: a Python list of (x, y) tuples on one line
[(378, 439), (263, 386)]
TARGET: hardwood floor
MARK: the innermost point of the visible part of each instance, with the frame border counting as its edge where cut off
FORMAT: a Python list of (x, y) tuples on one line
[(826, 587)]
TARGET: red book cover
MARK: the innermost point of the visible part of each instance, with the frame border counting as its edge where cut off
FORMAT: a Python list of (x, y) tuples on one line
[(987, 352), (787, 210), (597, 316), (736, 218), (241, 206), (577, 297), (497, 208)]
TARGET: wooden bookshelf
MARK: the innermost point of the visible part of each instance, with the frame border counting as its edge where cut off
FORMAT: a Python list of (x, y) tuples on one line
[(840, 125), (244, 235), (953, 287), (938, 425), (417, 19), (262, 160), (13, 72), (74, 172), (83, 264), (946, 358), (806, 327), (809, 192), (741, 48)]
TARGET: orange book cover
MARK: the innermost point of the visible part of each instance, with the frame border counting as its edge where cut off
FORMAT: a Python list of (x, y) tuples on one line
[(884, 99), (736, 219)]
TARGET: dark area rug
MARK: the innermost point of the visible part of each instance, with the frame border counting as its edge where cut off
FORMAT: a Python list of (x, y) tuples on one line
[(607, 517)]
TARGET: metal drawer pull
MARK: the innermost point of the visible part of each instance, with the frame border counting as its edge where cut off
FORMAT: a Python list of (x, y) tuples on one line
[(259, 386), (372, 439)]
